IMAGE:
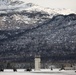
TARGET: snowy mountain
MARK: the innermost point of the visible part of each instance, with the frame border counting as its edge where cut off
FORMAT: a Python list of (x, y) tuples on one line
[(28, 13), (28, 29), (7, 6)]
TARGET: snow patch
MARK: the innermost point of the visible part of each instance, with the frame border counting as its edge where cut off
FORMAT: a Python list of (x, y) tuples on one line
[(17, 27)]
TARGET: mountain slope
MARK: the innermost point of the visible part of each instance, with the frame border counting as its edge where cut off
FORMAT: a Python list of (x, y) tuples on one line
[(56, 37), (25, 32)]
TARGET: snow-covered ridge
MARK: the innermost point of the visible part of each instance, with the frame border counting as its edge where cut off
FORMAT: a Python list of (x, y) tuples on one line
[(18, 6)]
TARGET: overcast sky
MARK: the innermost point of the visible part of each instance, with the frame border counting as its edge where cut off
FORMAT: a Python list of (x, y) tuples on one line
[(70, 4)]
